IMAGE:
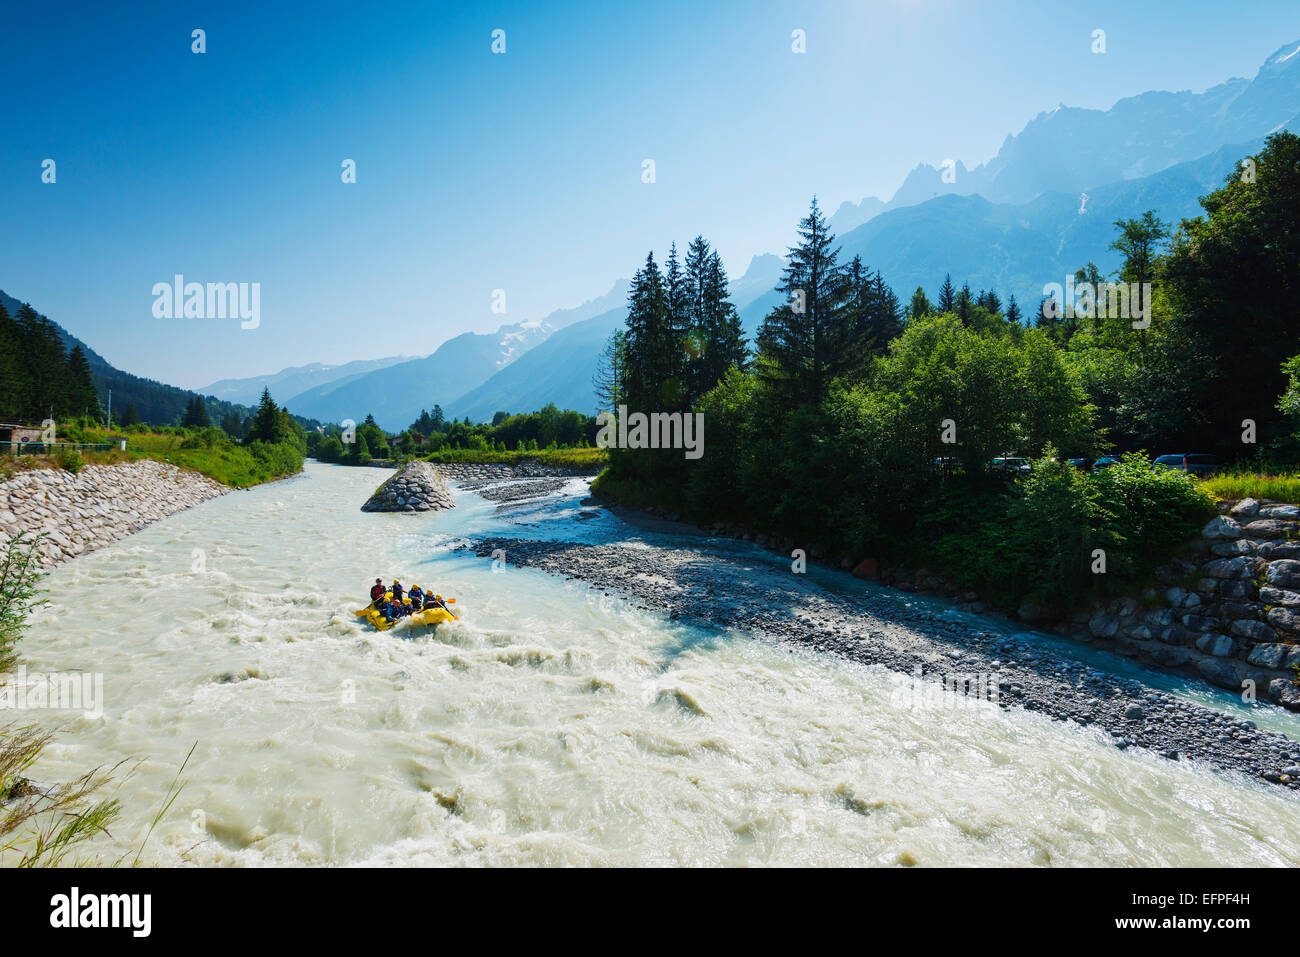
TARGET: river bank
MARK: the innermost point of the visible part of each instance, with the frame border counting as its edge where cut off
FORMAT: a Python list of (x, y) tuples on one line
[(99, 505), (696, 584), (554, 725)]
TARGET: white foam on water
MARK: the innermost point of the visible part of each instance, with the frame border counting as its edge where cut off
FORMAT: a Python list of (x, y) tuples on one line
[(552, 724)]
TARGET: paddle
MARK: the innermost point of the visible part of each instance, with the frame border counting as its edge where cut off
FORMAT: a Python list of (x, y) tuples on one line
[(438, 599)]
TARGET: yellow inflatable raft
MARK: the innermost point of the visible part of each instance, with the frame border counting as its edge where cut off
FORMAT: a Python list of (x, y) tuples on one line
[(430, 616)]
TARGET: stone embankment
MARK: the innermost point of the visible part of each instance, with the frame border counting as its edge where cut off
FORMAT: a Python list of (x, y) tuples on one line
[(1230, 609), (1227, 611), (417, 488), (99, 505), (525, 469)]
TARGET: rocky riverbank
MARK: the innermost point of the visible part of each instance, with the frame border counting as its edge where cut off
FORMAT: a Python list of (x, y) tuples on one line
[(416, 488), (718, 588), (699, 586), (99, 505)]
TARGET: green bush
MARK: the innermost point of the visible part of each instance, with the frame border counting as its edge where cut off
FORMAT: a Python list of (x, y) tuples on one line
[(1155, 510), (69, 460)]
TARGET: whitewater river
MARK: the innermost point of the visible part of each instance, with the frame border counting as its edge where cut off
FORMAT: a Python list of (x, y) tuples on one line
[(552, 724)]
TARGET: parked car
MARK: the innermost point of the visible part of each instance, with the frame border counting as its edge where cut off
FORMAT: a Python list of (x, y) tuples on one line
[(1198, 463), (1105, 462), (1010, 465), (1082, 464)]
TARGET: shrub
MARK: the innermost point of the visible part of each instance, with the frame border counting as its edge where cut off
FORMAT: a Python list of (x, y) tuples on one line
[(1155, 510), (69, 460)]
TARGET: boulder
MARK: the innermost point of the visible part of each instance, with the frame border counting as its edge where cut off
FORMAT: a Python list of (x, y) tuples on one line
[(1221, 527), (1287, 619), (1220, 672), (1271, 529), (1247, 508), (1234, 568), (867, 568), (1103, 626), (1279, 596), (1237, 589), (1285, 692), (1283, 574), (1253, 630), (1220, 646), (418, 487), (1288, 513), (1240, 546), (1274, 655), (1271, 551)]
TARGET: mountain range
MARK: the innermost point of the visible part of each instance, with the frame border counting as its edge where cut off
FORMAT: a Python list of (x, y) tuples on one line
[(1044, 206)]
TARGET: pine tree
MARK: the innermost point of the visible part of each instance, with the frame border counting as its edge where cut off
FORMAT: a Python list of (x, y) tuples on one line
[(196, 414), (13, 378), (715, 339), (1013, 310), (989, 300), (608, 381), (726, 345), (129, 415), (920, 305), (45, 363), (947, 295), (231, 424), (266, 420), (807, 339), (82, 397), (674, 391), (653, 355), (964, 304)]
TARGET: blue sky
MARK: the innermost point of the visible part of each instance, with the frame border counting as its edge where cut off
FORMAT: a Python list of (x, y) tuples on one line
[(521, 171)]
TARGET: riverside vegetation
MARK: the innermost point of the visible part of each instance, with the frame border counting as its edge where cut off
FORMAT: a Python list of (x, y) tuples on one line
[(550, 436), (269, 445), (862, 428)]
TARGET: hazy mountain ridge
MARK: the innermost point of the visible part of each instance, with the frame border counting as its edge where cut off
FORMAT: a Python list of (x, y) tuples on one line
[(395, 395), (155, 401), (295, 379), (1069, 149)]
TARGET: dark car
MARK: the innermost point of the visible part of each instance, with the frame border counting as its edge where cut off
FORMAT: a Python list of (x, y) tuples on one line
[(1197, 463), (1082, 464), (1010, 464), (1105, 462)]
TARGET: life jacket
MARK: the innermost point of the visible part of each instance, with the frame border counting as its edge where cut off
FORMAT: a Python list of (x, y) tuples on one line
[(397, 592), (376, 592), (416, 595)]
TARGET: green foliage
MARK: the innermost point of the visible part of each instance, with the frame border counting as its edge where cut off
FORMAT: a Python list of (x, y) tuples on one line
[(587, 459), (1245, 483), (69, 460)]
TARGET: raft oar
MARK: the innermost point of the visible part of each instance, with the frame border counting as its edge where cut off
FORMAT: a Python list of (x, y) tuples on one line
[(438, 599)]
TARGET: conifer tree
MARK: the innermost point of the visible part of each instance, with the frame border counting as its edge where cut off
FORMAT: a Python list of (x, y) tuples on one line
[(920, 305), (266, 420), (1013, 310), (196, 414), (82, 397), (810, 338), (947, 295)]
